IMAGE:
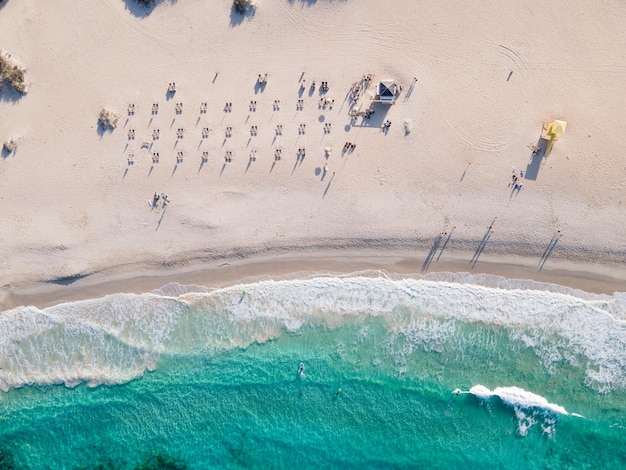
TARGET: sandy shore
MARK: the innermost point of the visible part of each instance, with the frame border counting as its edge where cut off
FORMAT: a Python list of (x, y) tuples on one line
[(395, 263), (75, 215)]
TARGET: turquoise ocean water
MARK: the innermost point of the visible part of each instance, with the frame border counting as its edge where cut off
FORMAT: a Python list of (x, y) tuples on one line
[(326, 372)]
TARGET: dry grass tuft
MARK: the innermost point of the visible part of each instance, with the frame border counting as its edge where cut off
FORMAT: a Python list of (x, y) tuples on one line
[(9, 146), (13, 75), (108, 119)]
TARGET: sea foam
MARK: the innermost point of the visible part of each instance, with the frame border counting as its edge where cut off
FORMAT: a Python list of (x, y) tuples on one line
[(529, 407), (517, 397), (117, 338)]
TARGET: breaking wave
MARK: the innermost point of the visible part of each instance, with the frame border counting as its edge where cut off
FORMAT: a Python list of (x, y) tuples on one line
[(117, 338)]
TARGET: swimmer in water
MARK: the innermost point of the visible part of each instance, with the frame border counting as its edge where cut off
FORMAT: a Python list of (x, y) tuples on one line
[(337, 392)]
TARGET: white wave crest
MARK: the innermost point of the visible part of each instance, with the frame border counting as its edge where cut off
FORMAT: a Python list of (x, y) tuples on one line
[(529, 408), (517, 397), (118, 337)]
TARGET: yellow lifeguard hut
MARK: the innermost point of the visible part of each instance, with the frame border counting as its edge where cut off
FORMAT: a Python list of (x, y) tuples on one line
[(555, 130)]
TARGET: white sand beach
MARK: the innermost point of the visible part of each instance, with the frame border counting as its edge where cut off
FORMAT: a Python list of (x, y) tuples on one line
[(489, 76)]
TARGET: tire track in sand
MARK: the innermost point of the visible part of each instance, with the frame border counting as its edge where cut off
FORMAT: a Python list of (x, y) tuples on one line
[(506, 102)]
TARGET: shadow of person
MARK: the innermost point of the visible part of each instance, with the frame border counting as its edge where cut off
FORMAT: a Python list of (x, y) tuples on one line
[(161, 218), (328, 185)]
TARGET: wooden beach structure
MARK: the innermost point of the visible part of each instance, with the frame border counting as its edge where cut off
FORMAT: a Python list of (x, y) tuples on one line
[(386, 92)]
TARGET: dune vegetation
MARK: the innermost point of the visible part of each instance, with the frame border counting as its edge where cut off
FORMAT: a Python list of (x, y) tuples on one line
[(107, 120), (12, 74), (243, 6)]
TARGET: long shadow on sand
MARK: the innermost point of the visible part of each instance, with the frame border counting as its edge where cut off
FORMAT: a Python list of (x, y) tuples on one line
[(482, 244), (432, 252), (103, 131), (376, 118), (536, 159), (143, 8), (439, 245), (307, 3), (67, 280), (236, 18), (9, 95), (549, 249)]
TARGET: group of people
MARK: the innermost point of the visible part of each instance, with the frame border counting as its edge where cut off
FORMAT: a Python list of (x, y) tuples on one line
[(517, 185), (326, 102), (356, 90), (349, 146), (160, 196)]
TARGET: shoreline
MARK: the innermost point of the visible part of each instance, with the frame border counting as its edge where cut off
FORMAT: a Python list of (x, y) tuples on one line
[(273, 264)]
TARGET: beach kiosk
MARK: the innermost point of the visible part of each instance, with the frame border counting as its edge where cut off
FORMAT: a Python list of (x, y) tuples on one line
[(386, 92), (555, 130)]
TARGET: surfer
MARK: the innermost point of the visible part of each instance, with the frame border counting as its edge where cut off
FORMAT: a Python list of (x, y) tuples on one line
[(337, 392), (301, 369)]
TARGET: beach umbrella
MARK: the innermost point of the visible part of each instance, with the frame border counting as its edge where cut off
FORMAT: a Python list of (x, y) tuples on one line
[(556, 128)]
